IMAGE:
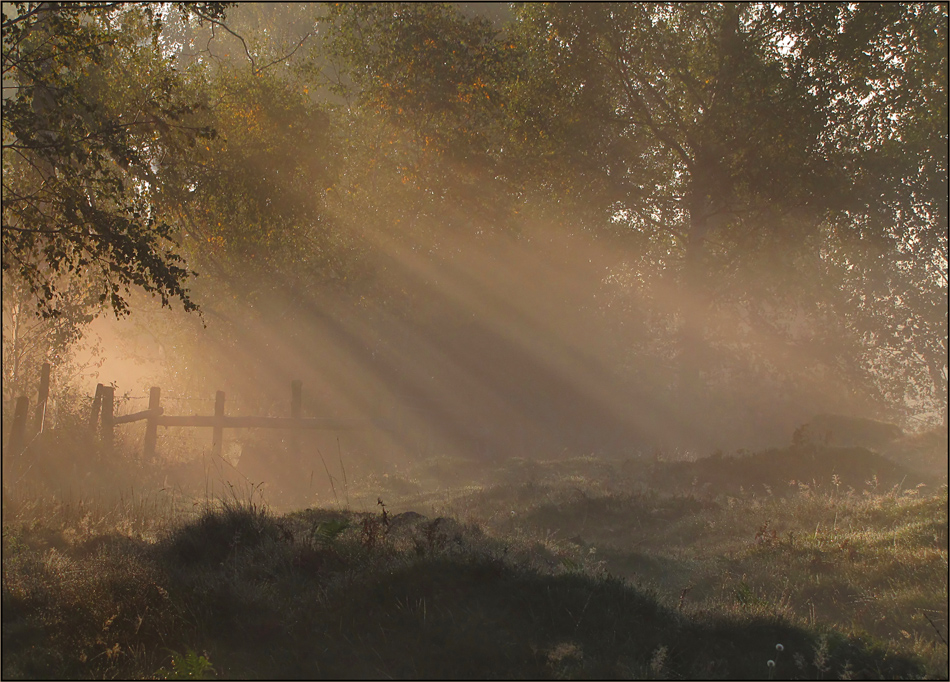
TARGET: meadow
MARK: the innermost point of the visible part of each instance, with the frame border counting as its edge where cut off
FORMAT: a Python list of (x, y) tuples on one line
[(794, 563)]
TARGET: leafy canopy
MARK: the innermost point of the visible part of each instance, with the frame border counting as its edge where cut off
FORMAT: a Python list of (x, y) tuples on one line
[(90, 110)]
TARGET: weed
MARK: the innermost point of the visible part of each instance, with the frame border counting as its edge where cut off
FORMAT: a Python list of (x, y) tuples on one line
[(191, 666), (374, 529), (766, 535), (658, 662), (773, 663), (820, 660)]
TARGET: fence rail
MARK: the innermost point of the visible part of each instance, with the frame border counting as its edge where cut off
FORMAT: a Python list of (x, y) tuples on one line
[(103, 419)]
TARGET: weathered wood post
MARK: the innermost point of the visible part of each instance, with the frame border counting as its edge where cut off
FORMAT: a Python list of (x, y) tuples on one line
[(18, 432), (151, 426), (217, 443), (96, 406), (39, 416), (296, 412), (107, 423)]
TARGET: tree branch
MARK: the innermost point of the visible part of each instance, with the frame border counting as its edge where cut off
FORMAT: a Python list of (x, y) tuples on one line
[(216, 22)]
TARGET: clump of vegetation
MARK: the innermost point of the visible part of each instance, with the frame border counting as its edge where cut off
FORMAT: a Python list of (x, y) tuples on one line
[(190, 666)]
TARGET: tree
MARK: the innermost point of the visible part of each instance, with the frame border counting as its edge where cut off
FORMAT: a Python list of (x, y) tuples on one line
[(755, 137), (30, 340), (426, 79), (249, 206), (82, 143)]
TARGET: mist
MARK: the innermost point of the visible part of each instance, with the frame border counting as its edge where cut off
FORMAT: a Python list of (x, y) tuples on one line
[(474, 340), (476, 237), (489, 347)]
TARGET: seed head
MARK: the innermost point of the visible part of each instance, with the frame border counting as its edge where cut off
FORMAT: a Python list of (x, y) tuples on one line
[(779, 648)]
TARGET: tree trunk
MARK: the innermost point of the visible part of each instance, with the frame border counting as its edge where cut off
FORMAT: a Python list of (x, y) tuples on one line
[(935, 368), (703, 203), (694, 306), (710, 193)]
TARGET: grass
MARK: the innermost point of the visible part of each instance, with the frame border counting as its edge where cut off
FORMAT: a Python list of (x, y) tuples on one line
[(575, 568)]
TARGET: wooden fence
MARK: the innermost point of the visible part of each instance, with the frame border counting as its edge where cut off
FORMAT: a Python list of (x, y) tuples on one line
[(104, 419), (21, 432)]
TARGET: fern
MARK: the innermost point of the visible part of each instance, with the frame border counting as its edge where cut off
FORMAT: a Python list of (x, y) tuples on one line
[(326, 532)]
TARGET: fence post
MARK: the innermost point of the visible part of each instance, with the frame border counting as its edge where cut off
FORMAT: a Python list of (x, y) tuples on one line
[(218, 437), (39, 416), (107, 423), (151, 426), (96, 406), (296, 411), (18, 433)]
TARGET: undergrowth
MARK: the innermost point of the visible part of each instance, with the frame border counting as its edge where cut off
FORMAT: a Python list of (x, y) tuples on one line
[(570, 569)]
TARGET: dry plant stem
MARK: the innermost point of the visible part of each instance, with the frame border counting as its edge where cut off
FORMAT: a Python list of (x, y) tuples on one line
[(936, 629), (327, 469), (346, 488)]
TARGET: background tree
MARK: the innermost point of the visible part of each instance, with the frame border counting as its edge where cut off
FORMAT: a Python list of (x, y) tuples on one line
[(425, 80), (746, 140), (691, 221)]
